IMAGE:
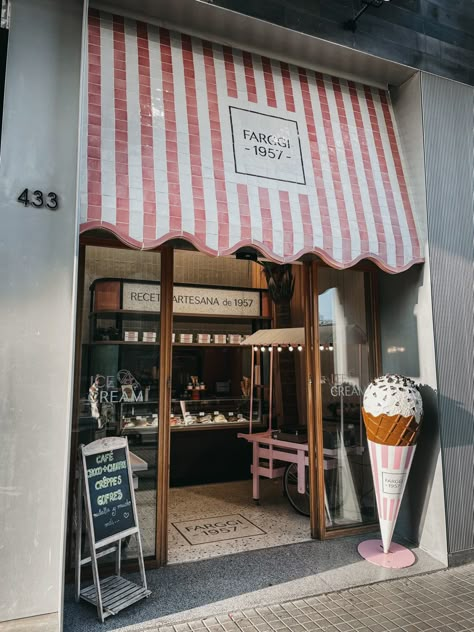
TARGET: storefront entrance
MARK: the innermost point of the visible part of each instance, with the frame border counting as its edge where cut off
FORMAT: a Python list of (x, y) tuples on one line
[(225, 450), (222, 164)]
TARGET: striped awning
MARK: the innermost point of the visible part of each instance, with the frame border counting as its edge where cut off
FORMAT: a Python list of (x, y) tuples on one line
[(223, 148)]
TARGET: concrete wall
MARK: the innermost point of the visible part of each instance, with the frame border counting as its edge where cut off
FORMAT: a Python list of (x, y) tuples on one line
[(448, 122), (407, 343), (37, 311)]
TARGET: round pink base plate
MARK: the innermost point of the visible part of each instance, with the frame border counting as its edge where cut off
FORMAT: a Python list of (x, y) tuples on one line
[(398, 556)]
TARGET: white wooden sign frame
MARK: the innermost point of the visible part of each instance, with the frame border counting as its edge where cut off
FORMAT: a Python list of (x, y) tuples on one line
[(113, 593)]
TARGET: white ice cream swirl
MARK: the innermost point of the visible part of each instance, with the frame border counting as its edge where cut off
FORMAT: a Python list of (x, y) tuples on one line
[(393, 395)]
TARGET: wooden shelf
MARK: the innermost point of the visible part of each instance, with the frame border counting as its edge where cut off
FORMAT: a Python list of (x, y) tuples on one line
[(208, 344), (193, 427), (223, 426), (123, 342), (224, 400), (156, 315), (174, 344)]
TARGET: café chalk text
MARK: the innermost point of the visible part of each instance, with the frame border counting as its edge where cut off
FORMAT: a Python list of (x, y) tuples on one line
[(106, 465)]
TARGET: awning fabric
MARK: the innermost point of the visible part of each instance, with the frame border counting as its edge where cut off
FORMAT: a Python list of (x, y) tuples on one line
[(195, 140)]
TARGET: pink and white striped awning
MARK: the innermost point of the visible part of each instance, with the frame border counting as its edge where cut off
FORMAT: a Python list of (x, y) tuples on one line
[(223, 148)]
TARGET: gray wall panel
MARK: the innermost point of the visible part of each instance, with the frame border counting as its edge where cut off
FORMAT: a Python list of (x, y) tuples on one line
[(448, 118), (407, 342), (38, 249)]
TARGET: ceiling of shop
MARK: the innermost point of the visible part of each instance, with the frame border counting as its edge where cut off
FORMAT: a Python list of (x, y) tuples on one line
[(200, 17)]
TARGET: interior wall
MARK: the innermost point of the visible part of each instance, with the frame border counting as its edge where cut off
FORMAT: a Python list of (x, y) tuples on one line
[(38, 260), (189, 267), (407, 343)]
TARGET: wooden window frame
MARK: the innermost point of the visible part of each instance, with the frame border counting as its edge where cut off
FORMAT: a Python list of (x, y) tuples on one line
[(318, 526)]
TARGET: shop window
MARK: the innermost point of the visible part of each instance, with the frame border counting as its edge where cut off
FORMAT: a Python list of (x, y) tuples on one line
[(119, 383), (346, 369)]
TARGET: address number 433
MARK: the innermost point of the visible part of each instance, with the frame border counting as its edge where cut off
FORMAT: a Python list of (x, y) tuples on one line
[(39, 199)]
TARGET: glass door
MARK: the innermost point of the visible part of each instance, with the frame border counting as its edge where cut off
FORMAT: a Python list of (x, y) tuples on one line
[(346, 361)]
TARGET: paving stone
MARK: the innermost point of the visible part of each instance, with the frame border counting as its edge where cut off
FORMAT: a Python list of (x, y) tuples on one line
[(438, 602)]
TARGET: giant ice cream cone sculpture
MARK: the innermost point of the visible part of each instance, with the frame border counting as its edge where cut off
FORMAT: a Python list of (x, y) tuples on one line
[(392, 415)]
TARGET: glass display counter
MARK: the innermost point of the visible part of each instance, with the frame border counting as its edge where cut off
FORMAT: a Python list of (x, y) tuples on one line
[(209, 363)]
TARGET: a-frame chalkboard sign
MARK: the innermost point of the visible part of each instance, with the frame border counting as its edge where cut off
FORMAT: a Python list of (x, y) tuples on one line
[(106, 484)]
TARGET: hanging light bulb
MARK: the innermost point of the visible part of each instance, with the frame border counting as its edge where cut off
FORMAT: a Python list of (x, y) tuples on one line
[(321, 347), (300, 348), (331, 348), (279, 348), (290, 348), (270, 349), (255, 348), (262, 349)]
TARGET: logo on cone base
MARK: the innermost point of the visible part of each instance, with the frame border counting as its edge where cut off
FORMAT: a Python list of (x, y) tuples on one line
[(390, 467)]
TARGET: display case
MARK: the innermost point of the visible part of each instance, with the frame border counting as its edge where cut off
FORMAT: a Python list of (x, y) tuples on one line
[(210, 367)]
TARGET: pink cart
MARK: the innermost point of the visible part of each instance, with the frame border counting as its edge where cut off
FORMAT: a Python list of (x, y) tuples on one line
[(275, 457)]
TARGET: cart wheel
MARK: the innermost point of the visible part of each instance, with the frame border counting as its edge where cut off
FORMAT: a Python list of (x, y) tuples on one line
[(299, 502)]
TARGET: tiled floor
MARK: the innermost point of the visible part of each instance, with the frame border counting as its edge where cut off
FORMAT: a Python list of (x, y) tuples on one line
[(274, 516), (442, 601)]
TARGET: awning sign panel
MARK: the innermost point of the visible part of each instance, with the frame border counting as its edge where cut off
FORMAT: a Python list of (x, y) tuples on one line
[(266, 146), (223, 148)]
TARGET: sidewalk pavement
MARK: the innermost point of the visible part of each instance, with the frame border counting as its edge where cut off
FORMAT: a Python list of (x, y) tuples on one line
[(442, 601)]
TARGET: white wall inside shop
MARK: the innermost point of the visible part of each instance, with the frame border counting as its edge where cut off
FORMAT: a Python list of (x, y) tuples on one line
[(407, 344), (38, 286), (189, 267)]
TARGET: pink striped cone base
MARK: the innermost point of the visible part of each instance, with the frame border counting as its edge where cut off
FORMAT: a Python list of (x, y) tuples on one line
[(390, 468)]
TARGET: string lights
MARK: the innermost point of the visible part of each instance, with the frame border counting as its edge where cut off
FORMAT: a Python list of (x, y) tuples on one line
[(327, 347), (279, 348)]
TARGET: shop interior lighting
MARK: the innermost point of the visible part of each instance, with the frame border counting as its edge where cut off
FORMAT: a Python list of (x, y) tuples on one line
[(270, 349), (331, 348), (300, 348), (351, 25), (262, 349), (321, 347), (279, 348), (290, 348), (255, 348)]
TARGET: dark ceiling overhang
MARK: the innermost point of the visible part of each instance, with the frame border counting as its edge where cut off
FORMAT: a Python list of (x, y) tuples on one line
[(222, 25)]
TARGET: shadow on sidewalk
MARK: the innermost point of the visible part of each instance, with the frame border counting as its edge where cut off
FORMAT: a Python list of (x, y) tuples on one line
[(250, 579)]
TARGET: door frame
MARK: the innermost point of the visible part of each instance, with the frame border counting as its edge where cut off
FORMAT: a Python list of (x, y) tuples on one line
[(162, 477), (164, 407), (313, 392)]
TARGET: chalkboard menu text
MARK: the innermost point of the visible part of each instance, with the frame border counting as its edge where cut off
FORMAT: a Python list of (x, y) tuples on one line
[(109, 493), (105, 483)]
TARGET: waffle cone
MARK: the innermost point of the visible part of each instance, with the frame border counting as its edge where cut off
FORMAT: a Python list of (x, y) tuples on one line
[(391, 429)]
